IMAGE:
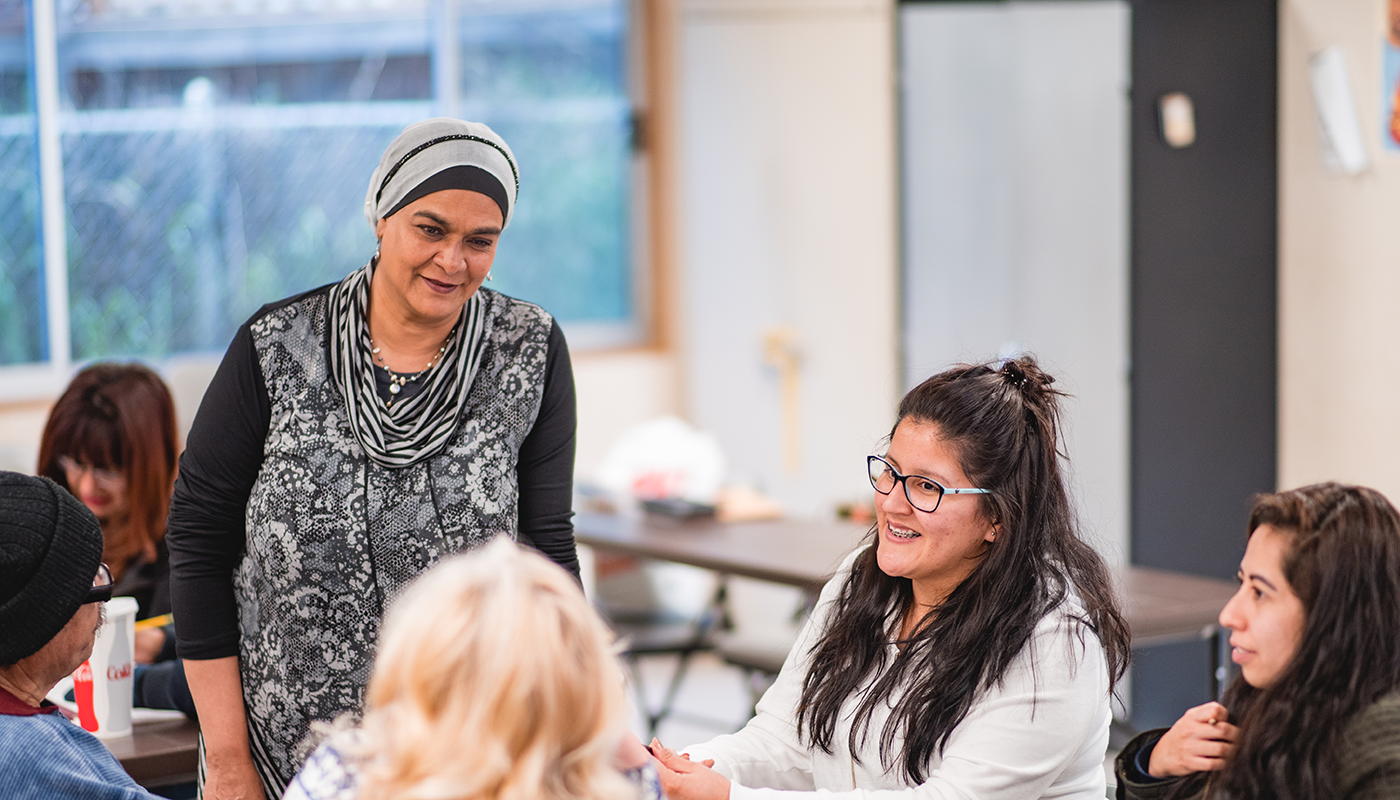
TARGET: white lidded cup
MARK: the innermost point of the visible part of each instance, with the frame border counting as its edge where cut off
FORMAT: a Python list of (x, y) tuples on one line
[(102, 685)]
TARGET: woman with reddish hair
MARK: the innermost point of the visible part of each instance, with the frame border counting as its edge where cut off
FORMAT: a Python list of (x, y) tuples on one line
[(111, 441)]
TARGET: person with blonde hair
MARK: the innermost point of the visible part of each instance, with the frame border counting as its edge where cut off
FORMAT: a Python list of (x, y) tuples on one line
[(494, 679)]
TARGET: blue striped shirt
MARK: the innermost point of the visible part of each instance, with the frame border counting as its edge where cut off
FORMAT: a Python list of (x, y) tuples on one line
[(43, 756)]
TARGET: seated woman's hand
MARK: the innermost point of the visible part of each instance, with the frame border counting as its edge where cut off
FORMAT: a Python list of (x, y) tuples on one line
[(683, 779), (148, 645), (1199, 742)]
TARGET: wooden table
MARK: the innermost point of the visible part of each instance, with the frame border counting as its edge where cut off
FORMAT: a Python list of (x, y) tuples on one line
[(1160, 606), (1164, 607), (159, 753), (795, 553)]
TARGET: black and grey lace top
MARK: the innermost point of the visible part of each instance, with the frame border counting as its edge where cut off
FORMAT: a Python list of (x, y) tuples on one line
[(287, 541)]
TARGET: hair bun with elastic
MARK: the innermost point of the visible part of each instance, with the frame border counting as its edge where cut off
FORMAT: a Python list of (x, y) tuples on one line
[(1024, 373), (1012, 373)]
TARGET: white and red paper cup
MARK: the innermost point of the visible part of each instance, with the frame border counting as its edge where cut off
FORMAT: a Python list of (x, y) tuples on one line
[(102, 685)]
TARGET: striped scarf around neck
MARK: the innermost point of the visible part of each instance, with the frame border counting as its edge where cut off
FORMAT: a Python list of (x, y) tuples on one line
[(417, 428)]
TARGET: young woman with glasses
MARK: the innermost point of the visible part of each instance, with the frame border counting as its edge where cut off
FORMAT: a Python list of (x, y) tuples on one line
[(1315, 711), (970, 649)]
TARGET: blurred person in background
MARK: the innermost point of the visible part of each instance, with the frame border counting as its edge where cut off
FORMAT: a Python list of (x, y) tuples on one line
[(111, 441), (353, 436), (1315, 710), (52, 586), (495, 680)]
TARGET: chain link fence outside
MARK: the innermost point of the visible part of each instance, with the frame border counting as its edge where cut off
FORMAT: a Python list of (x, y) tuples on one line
[(183, 220), (179, 229), (176, 236), (22, 333)]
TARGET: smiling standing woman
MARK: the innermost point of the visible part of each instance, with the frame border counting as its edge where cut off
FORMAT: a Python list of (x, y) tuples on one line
[(969, 650), (1315, 711), (352, 437)]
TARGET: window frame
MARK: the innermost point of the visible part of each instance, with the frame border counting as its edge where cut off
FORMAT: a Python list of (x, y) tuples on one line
[(651, 241)]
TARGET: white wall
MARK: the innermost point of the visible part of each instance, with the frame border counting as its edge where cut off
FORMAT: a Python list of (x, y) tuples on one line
[(788, 197), (616, 391), (21, 427), (1339, 266), (1015, 168)]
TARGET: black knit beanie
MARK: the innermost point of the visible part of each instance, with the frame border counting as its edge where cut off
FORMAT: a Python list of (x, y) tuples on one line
[(50, 549)]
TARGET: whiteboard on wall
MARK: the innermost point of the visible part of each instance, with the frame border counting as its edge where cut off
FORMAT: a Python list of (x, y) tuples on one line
[(1014, 168)]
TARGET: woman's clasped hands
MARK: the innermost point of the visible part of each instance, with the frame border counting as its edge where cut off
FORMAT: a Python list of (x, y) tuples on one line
[(1200, 741), (683, 779)]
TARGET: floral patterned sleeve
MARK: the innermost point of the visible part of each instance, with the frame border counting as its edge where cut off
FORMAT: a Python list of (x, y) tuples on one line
[(647, 781), (326, 775)]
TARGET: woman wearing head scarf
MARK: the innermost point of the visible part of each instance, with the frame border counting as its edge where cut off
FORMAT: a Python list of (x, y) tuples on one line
[(353, 436)]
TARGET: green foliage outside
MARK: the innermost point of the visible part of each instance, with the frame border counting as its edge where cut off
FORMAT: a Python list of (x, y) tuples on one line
[(177, 235)]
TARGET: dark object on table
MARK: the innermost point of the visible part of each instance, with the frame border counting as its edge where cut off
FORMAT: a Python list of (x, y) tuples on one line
[(677, 508)]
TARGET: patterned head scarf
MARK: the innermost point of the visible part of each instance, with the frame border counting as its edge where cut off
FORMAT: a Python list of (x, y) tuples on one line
[(438, 154)]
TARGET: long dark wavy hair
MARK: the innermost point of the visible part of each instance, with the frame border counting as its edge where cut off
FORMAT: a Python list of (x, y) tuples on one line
[(119, 417), (1343, 562), (1002, 423)]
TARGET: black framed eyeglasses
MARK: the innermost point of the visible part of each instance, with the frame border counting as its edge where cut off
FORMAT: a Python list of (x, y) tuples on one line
[(101, 590), (924, 494)]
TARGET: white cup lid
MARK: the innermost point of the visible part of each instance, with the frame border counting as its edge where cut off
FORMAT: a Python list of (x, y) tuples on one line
[(118, 606)]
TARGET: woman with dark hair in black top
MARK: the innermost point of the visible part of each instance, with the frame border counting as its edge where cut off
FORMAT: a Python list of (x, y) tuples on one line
[(1315, 711)]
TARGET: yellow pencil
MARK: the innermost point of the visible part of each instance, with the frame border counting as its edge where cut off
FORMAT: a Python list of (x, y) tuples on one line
[(155, 622)]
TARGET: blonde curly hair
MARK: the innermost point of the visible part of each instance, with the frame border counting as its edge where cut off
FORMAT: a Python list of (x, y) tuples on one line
[(495, 680)]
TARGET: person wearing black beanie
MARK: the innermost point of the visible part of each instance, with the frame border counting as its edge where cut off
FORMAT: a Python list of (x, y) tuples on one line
[(52, 582)]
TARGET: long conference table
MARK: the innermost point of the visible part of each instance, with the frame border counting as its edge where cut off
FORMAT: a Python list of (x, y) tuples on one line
[(1161, 607)]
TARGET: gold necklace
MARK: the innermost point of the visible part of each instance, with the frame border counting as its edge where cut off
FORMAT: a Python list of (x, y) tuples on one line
[(399, 380)]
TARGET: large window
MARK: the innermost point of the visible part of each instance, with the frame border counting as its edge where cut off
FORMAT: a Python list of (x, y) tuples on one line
[(213, 156), (21, 271)]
